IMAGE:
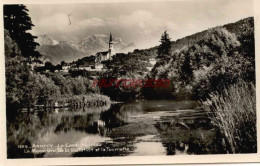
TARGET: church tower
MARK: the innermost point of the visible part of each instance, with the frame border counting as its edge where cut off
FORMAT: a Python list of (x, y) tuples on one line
[(111, 50)]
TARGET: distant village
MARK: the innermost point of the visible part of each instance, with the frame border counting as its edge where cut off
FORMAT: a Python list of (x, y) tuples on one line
[(90, 63)]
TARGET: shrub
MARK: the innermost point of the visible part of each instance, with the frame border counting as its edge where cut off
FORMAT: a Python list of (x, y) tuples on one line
[(92, 99), (223, 74), (196, 69), (233, 112)]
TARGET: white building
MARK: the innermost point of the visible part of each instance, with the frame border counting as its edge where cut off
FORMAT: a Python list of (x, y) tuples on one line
[(152, 61), (106, 55)]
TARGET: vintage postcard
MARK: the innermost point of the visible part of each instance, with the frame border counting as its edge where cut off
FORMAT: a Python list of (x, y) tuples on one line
[(132, 82)]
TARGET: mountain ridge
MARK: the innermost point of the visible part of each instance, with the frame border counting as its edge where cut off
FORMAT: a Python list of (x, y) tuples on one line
[(235, 27), (99, 42), (54, 50)]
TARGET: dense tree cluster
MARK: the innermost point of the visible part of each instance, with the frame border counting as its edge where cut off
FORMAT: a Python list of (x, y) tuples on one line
[(18, 22), (131, 66), (204, 62), (17, 74), (25, 88), (209, 65)]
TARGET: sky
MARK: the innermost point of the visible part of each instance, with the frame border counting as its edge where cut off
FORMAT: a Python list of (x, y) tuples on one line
[(141, 23)]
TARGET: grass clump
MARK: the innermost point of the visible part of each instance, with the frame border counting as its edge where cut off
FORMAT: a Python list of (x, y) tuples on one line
[(233, 112), (88, 100)]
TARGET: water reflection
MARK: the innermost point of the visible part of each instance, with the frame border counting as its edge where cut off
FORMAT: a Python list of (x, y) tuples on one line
[(139, 128)]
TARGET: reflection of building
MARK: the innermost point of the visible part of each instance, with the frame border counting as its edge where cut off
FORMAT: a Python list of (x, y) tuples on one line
[(106, 55), (101, 127)]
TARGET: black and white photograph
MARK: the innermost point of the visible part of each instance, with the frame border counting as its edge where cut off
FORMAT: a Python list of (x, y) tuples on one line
[(120, 79)]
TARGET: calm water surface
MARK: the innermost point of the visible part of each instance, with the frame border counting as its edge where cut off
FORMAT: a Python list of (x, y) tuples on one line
[(136, 129)]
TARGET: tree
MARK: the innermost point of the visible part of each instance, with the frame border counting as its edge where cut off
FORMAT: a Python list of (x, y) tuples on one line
[(48, 65), (186, 70), (18, 22), (62, 63), (17, 75), (164, 49)]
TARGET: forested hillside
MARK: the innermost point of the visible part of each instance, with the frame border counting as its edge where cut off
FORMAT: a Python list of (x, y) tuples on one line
[(217, 60), (237, 28), (196, 65)]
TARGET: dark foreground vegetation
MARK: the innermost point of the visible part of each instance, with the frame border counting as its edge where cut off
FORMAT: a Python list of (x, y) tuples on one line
[(233, 112), (26, 87)]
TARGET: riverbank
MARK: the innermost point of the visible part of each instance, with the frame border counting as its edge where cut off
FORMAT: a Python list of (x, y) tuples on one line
[(89, 100)]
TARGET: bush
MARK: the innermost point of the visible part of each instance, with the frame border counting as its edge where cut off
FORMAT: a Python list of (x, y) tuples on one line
[(233, 112), (192, 68), (89, 100), (226, 73)]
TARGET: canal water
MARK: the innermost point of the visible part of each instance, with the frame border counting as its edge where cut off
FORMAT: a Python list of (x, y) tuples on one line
[(126, 129)]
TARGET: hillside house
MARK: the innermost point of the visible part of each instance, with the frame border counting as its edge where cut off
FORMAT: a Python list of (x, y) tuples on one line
[(86, 67), (65, 66), (152, 61)]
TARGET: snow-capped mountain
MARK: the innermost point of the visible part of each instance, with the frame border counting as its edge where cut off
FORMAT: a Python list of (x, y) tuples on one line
[(94, 43), (71, 51), (46, 40), (71, 44), (99, 42)]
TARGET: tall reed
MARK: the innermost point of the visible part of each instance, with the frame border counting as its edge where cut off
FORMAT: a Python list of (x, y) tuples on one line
[(233, 112)]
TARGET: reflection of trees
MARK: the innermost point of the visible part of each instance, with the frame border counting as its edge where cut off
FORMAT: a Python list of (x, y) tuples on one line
[(23, 131), (120, 114), (190, 136), (112, 117), (27, 128)]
